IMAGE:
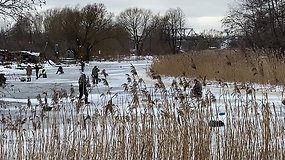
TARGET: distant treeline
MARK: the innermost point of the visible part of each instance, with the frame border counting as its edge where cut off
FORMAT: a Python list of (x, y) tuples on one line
[(258, 25), (92, 31)]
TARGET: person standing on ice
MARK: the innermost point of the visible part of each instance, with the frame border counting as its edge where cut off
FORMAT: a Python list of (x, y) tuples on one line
[(82, 66), (37, 71), (94, 75), (29, 73), (83, 87), (197, 89)]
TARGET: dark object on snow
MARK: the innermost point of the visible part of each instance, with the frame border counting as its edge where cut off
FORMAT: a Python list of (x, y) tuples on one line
[(2, 79), (215, 123), (37, 71), (94, 75), (222, 113), (47, 108), (82, 64), (82, 87), (22, 79), (60, 70), (197, 89)]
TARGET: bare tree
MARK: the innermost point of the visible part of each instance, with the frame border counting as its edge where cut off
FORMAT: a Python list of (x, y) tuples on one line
[(79, 30), (174, 23), (260, 24), (212, 37), (96, 22), (62, 27), (16, 8), (139, 23), (20, 35)]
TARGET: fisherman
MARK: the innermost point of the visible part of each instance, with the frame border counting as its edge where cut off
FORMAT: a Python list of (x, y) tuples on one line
[(43, 73), (60, 70), (29, 73), (82, 64), (37, 68), (94, 75), (83, 88), (2, 79), (197, 89)]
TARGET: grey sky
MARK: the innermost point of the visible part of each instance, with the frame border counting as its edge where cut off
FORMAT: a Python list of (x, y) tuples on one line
[(200, 14)]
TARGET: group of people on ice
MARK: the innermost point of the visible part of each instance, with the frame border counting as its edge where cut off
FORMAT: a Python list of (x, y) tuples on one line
[(43, 72), (83, 80), (37, 68)]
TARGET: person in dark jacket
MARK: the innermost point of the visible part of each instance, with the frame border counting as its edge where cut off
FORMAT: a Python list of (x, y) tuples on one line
[(83, 87), (60, 70), (37, 68), (94, 75), (197, 89), (2, 79), (82, 64)]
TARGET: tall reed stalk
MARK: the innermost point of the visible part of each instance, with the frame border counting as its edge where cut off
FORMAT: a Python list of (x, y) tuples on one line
[(157, 122)]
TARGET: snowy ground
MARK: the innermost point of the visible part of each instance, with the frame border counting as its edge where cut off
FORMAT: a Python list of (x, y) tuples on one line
[(17, 92), (15, 95)]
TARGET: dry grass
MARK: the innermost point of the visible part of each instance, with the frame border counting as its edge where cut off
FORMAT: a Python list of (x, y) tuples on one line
[(159, 123), (225, 65)]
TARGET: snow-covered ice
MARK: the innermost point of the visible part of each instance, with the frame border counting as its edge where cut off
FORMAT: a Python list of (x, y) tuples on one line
[(18, 92)]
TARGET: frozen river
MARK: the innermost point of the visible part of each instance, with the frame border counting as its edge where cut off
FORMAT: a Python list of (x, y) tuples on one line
[(17, 91), (146, 116)]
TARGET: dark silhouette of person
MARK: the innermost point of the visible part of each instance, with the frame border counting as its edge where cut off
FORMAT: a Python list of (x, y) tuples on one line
[(197, 89), (82, 64), (60, 70), (83, 87), (37, 71), (94, 74), (2, 79)]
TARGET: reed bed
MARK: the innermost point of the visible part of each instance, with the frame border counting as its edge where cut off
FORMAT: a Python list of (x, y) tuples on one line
[(226, 65), (146, 122)]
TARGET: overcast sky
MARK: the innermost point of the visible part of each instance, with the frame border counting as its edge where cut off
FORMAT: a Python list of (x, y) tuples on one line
[(200, 14)]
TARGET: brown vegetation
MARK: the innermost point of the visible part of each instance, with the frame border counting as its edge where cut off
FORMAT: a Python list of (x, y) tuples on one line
[(224, 65), (159, 123)]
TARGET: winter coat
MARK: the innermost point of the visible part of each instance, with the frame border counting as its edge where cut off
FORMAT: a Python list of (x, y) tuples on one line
[(60, 70), (29, 70), (37, 68), (197, 89), (82, 80), (95, 71), (44, 71)]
